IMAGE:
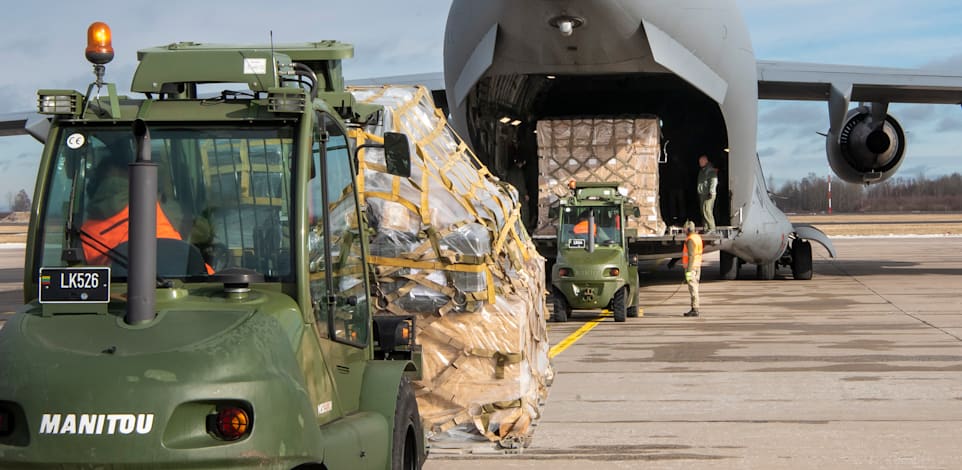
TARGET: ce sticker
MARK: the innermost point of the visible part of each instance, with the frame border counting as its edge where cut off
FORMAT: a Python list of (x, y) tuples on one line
[(75, 141)]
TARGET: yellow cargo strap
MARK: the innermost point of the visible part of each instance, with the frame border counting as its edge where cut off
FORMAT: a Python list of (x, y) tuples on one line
[(483, 420)]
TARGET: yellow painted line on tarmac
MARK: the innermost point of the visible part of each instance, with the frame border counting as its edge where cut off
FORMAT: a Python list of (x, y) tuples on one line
[(574, 337)]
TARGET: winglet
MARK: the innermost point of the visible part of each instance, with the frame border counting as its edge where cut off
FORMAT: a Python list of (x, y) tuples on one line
[(809, 232)]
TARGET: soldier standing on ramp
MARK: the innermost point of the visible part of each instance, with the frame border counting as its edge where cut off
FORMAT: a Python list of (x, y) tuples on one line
[(707, 186)]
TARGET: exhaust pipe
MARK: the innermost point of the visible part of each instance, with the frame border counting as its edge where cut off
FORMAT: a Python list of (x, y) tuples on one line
[(142, 241), (591, 232)]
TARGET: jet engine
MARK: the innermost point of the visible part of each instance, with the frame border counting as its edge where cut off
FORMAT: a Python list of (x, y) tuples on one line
[(869, 147)]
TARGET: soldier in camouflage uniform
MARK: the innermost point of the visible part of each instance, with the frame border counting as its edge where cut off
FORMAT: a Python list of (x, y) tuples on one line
[(707, 186)]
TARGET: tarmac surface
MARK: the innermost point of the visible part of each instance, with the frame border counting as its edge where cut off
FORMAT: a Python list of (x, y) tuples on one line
[(860, 367), (11, 278)]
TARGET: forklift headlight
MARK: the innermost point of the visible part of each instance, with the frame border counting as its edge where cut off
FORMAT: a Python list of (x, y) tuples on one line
[(614, 272), (286, 100), (565, 272), (59, 102)]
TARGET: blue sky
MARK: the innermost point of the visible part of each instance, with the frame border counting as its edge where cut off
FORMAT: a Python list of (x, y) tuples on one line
[(44, 42)]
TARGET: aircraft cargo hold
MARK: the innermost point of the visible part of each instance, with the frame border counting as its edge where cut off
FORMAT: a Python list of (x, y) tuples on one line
[(625, 151), (449, 250)]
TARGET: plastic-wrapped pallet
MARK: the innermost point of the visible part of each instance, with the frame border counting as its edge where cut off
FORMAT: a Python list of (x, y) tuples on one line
[(603, 150), (450, 250)]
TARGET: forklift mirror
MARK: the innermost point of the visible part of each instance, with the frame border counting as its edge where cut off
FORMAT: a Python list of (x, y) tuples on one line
[(635, 211), (397, 154), (553, 211)]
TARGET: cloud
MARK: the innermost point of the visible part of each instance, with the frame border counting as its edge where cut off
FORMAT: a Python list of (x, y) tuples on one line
[(788, 112), (915, 170), (949, 124), (767, 152), (952, 63), (43, 50), (886, 33), (918, 112)]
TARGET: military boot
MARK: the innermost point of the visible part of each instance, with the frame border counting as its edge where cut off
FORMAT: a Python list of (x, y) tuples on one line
[(691, 313)]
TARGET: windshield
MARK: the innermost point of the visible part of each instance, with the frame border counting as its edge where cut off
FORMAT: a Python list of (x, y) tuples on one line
[(223, 200), (575, 226)]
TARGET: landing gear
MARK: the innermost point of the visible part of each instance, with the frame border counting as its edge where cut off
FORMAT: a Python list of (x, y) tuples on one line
[(730, 266), (766, 271), (801, 260)]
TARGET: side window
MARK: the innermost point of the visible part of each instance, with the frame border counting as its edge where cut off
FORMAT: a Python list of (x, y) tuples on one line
[(338, 289)]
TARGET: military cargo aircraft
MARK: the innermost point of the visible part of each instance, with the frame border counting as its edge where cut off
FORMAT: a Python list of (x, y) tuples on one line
[(691, 63)]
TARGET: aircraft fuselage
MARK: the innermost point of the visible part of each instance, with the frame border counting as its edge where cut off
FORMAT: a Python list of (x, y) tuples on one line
[(689, 62)]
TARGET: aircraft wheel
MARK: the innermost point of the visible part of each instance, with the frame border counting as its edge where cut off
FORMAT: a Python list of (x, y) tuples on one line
[(618, 304), (408, 435), (561, 308), (729, 266), (766, 271), (802, 260)]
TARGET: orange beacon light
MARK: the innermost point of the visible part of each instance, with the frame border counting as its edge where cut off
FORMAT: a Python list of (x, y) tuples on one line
[(99, 49)]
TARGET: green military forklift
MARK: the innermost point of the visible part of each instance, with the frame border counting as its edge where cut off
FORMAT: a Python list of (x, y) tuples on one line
[(196, 279), (593, 269)]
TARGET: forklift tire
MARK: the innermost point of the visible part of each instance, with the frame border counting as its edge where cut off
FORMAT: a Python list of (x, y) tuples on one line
[(561, 309), (802, 260), (618, 305), (408, 439), (729, 265), (633, 310)]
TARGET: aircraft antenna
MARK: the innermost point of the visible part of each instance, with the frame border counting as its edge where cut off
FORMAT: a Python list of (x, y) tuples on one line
[(273, 60)]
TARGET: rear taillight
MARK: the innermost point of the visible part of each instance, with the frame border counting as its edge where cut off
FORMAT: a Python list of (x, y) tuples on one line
[(230, 423)]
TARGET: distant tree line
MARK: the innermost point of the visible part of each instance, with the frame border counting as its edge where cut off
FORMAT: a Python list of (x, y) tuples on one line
[(899, 194), (19, 202)]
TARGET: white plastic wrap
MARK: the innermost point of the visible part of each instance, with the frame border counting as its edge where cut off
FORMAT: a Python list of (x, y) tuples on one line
[(449, 249)]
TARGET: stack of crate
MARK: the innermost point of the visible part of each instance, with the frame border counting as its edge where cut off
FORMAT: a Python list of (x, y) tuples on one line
[(622, 150)]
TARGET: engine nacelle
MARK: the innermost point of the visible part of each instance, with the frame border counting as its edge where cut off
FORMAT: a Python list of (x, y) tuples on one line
[(866, 151)]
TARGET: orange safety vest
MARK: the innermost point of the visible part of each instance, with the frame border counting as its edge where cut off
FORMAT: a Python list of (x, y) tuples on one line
[(581, 228), (696, 256), (100, 236)]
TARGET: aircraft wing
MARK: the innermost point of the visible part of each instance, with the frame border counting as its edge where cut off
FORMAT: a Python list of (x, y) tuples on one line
[(807, 81), (14, 123), (25, 123), (433, 81)]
